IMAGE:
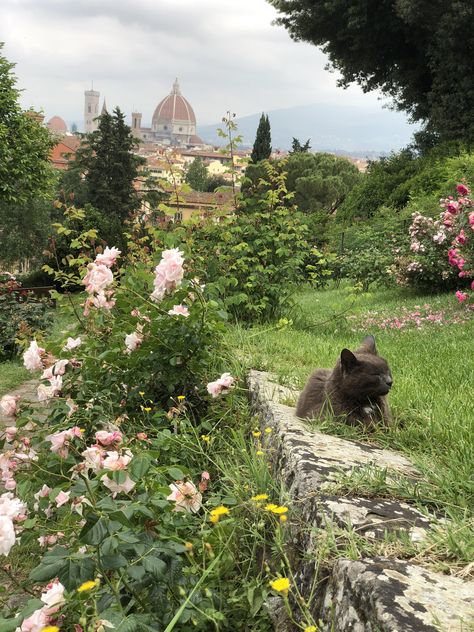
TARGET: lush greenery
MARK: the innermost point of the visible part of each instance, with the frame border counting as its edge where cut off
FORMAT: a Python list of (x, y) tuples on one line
[(412, 54), (21, 316), (262, 147), (196, 175), (426, 340)]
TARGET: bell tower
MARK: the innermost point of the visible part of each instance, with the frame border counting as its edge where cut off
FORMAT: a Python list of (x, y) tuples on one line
[(91, 110)]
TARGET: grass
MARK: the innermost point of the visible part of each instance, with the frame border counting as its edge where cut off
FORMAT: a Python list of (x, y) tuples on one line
[(433, 365), (12, 372)]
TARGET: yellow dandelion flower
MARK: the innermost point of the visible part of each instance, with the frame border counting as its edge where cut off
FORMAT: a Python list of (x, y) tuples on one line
[(141, 393), (280, 510), (256, 433), (271, 507), (281, 585), (88, 586), (310, 628), (50, 628), (259, 497), (283, 518), (189, 546), (268, 430), (205, 438), (259, 453), (217, 512), (147, 409), (181, 397)]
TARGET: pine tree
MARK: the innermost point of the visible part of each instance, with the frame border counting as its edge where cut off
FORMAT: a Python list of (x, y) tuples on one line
[(110, 167), (262, 147), (196, 175), (298, 148)]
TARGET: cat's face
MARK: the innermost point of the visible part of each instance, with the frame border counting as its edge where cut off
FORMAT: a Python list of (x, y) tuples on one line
[(364, 373)]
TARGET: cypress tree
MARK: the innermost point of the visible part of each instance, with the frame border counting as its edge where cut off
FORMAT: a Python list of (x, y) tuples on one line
[(262, 147)]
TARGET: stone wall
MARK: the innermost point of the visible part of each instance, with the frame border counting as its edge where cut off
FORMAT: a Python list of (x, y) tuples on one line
[(382, 594)]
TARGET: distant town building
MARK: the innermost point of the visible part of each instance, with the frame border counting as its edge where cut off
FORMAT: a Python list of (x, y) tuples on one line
[(173, 122)]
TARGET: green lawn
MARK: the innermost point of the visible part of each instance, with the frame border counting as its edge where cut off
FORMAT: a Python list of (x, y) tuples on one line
[(433, 369)]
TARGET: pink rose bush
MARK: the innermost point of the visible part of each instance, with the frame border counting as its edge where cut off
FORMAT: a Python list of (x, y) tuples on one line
[(443, 248), (96, 487)]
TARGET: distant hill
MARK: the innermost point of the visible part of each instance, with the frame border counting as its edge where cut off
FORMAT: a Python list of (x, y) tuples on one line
[(355, 130)]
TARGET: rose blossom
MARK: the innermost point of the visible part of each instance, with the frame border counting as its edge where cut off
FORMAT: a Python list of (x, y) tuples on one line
[(94, 458), (11, 507), (62, 498), (115, 461), (107, 438), (8, 404), (132, 341), (53, 597), (461, 296), (72, 343), (108, 257), (179, 310), (10, 433), (462, 189), (32, 358), (117, 488), (60, 440), (221, 385), (47, 392), (98, 277), (471, 220), (58, 368), (168, 273), (7, 535), (103, 300), (186, 496), (35, 622)]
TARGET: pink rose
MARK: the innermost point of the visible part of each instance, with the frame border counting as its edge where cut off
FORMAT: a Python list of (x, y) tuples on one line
[(103, 300), (35, 622), (117, 488), (179, 310), (7, 535), (10, 433), (94, 458), (108, 257), (461, 296), (462, 189), (11, 507), (115, 461), (62, 498), (98, 277), (107, 438), (8, 404), (53, 596), (72, 343), (221, 385), (471, 220), (133, 341), (185, 496), (32, 358)]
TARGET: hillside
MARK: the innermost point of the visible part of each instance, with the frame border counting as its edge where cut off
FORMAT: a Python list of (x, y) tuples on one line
[(331, 127)]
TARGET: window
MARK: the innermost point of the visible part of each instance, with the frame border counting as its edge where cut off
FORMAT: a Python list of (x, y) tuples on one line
[(178, 217), (89, 109), (180, 129), (165, 126)]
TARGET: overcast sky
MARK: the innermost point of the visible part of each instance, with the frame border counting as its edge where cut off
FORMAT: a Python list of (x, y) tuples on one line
[(226, 54)]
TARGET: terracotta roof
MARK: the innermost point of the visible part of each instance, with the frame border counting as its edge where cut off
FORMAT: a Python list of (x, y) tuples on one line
[(174, 107), (57, 124)]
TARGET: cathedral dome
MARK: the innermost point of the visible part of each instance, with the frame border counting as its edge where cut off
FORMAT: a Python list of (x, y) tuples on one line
[(57, 124), (174, 107)]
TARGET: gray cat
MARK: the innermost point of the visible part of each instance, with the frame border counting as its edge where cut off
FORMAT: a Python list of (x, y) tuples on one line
[(355, 390)]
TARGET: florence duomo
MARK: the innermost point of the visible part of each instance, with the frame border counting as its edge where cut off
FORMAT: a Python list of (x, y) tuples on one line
[(173, 122)]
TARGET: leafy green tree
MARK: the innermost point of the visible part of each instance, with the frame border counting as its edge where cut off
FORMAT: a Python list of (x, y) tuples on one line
[(297, 147), (262, 147), (414, 51), (25, 171), (196, 175)]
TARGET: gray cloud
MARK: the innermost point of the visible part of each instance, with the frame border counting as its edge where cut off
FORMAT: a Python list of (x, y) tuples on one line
[(226, 53)]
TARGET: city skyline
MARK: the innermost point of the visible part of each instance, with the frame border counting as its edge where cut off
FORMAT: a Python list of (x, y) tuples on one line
[(227, 55)]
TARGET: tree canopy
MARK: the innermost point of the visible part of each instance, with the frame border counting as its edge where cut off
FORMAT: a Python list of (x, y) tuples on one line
[(25, 171), (196, 175), (262, 147), (418, 52)]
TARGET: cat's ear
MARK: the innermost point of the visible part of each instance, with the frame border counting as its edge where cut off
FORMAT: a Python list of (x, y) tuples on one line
[(348, 360), (368, 345)]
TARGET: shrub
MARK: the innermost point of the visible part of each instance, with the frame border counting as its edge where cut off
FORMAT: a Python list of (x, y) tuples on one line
[(22, 315), (254, 257)]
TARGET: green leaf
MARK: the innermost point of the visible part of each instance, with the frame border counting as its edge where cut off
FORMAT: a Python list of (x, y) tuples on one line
[(139, 467), (112, 562), (76, 572), (94, 531), (176, 473), (154, 566)]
